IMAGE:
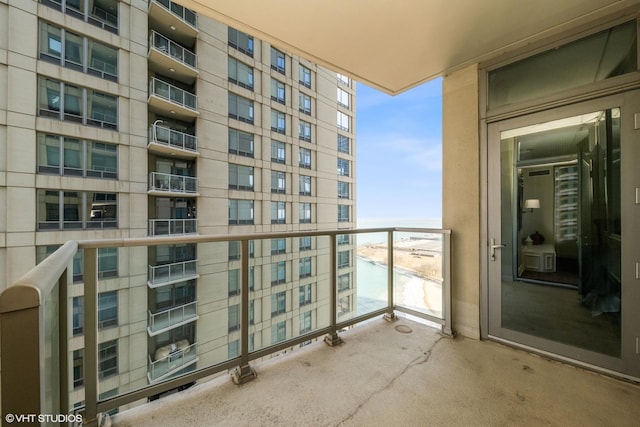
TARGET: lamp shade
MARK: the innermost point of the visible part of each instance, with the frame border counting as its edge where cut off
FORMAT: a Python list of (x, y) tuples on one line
[(532, 204)]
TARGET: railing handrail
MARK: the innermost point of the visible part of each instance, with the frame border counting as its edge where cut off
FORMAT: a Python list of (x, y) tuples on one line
[(33, 288)]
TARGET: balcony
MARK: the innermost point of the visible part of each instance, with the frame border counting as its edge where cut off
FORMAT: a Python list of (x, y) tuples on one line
[(164, 140), (171, 360), (164, 320), (166, 98), (165, 184), (167, 274), (172, 227), (168, 57), (391, 371), (171, 18)]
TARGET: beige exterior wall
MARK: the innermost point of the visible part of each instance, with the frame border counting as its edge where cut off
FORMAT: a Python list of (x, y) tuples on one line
[(461, 188)]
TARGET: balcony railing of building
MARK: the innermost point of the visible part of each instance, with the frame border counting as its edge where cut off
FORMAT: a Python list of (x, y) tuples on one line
[(172, 138), (172, 227), (166, 274), (409, 270), (173, 94), (169, 183), (177, 358), (187, 15), (175, 316), (173, 50)]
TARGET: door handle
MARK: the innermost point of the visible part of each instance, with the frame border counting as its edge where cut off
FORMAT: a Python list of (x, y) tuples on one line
[(493, 248)]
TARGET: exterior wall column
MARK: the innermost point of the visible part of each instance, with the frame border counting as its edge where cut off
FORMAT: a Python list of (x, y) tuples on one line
[(461, 194)]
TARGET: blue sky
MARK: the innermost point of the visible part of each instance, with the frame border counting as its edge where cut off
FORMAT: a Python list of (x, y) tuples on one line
[(399, 153)]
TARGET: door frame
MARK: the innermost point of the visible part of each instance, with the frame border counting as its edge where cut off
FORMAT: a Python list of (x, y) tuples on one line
[(628, 365)]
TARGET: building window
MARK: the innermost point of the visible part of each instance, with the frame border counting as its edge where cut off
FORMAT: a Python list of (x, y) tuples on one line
[(251, 313), (240, 74), (304, 292), (240, 108), (305, 185), (343, 167), (70, 50), (344, 305), (240, 41), (67, 210), (343, 259), (235, 248), (304, 158), (278, 122), (78, 368), (304, 270), (278, 273), (62, 101), (278, 153), (343, 144), (103, 14), (342, 79), (107, 263), (78, 316), (234, 349), (278, 246), (278, 303), (343, 239), (344, 282), (108, 359), (278, 61), (240, 212), (107, 309), (278, 212), (343, 121), (344, 99), (304, 76), (343, 190), (277, 91), (279, 332), (305, 213), (305, 243), (305, 322), (304, 131), (343, 213), (240, 143), (234, 317), (278, 182), (240, 177), (234, 282), (304, 103)]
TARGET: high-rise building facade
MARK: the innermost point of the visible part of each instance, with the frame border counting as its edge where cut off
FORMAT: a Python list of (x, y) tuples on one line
[(139, 118)]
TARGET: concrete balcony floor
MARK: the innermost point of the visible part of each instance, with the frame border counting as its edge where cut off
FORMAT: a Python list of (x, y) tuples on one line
[(403, 374)]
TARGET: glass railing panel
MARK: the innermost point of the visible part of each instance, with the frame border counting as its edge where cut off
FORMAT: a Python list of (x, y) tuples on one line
[(364, 264), (167, 318), (171, 48), (173, 272), (172, 93), (174, 138), (185, 14), (172, 227), (418, 277), (172, 183)]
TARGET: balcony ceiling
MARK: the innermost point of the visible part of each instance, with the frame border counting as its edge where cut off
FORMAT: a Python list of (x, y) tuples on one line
[(396, 45)]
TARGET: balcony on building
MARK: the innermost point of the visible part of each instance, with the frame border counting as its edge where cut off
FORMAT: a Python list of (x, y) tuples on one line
[(172, 226), (167, 274), (165, 140), (166, 184), (175, 21), (168, 98), (172, 359), (166, 319), (168, 57)]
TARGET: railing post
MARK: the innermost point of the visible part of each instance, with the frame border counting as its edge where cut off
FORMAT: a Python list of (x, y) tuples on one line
[(447, 328), (332, 339), (63, 340), (244, 373), (390, 315), (91, 336)]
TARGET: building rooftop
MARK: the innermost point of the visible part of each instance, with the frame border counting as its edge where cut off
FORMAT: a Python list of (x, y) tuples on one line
[(401, 373)]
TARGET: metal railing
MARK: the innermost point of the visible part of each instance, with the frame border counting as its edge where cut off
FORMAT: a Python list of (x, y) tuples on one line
[(171, 183), (165, 274), (173, 94), (173, 138), (173, 49), (165, 319), (187, 15), (35, 348), (172, 227)]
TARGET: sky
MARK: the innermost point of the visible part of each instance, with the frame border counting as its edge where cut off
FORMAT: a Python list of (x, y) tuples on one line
[(399, 154)]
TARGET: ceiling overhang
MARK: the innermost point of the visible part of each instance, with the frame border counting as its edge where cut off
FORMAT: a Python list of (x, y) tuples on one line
[(396, 45)]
